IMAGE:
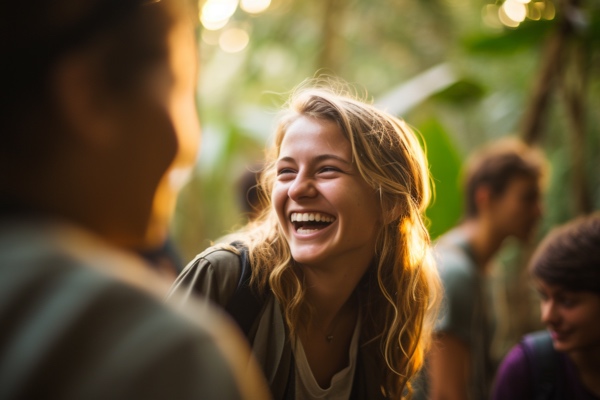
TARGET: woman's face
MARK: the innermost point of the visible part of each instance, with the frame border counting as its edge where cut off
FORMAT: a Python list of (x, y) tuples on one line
[(327, 212), (573, 318)]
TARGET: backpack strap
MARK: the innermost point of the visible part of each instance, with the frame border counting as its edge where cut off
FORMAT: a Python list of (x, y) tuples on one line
[(543, 361), (244, 305)]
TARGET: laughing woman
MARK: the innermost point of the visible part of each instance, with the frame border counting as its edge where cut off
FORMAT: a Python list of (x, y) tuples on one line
[(339, 265)]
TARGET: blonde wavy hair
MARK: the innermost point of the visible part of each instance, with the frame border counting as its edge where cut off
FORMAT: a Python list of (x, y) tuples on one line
[(399, 291)]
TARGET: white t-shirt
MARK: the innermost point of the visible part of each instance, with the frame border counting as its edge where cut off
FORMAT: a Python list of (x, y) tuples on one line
[(341, 383)]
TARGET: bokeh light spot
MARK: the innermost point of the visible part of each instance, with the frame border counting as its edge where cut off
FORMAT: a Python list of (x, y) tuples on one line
[(216, 13), (514, 10), (534, 11), (233, 40), (549, 10), (255, 6), (505, 19), (489, 13)]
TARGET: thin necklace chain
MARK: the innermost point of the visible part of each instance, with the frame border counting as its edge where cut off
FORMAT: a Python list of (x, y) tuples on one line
[(329, 337)]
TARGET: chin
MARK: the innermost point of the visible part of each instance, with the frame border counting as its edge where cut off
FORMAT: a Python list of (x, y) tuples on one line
[(561, 347), (304, 256), (155, 235), (301, 258), (524, 236)]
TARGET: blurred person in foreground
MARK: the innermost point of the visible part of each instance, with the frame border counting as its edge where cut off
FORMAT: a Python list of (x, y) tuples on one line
[(338, 260), (503, 195), (564, 361), (99, 127)]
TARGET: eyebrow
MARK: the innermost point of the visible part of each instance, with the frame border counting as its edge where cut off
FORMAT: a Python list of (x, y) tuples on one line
[(319, 158)]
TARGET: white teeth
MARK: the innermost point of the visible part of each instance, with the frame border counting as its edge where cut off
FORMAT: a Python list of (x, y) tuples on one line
[(304, 231), (301, 217)]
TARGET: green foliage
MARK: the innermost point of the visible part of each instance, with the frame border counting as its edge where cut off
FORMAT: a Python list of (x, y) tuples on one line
[(529, 34), (460, 93), (378, 45), (444, 165)]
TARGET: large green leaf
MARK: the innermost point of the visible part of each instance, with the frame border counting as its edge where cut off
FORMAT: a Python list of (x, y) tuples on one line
[(461, 92), (445, 165)]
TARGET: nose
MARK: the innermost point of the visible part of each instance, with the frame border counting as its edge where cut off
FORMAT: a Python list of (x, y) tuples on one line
[(549, 313), (302, 187)]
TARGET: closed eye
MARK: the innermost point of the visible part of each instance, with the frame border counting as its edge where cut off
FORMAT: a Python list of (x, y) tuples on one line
[(568, 301), (285, 172), (329, 169)]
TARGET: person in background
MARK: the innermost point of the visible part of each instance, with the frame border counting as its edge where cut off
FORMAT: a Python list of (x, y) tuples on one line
[(564, 361), (98, 128), (165, 259), (503, 196), (247, 188), (339, 258)]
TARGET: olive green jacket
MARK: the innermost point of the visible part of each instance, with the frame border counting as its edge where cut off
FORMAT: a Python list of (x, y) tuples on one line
[(215, 273)]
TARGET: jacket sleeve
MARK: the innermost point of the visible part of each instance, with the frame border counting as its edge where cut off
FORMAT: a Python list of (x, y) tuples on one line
[(214, 274)]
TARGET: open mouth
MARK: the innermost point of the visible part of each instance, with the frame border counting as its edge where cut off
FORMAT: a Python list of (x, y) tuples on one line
[(310, 222)]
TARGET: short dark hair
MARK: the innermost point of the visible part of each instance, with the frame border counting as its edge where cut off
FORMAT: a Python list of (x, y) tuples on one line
[(569, 256), (127, 36), (496, 165)]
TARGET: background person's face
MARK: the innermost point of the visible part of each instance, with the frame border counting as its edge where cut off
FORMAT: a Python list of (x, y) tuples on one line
[(571, 317), (516, 211)]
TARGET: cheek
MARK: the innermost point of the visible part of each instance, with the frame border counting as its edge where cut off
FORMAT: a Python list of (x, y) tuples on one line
[(363, 207), (509, 208), (588, 320), (152, 143), (187, 127), (278, 197)]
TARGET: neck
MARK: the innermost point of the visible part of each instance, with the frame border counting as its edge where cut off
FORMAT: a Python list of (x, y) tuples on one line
[(587, 362), (330, 293), (484, 242)]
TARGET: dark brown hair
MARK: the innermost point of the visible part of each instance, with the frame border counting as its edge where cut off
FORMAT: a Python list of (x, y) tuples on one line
[(127, 38), (496, 165), (570, 256)]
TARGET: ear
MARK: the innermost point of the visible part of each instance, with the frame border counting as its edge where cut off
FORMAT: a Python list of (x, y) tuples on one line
[(483, 198), (82, 101)]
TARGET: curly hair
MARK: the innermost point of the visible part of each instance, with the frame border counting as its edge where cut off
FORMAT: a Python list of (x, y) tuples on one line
[(399, 291)]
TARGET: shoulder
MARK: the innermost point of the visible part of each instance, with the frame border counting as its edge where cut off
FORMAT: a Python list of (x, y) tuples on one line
[(214, 273), (460, 285), (223, 261), (452, 259), (514, 377), (457, 274), (73, 331)]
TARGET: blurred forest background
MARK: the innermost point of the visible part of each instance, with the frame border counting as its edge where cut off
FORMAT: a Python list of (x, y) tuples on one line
[(461, 72)]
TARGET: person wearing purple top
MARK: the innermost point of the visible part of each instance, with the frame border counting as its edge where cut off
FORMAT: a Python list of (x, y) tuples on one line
[(566, 272)]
